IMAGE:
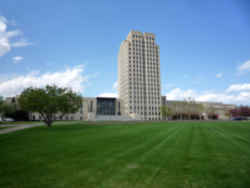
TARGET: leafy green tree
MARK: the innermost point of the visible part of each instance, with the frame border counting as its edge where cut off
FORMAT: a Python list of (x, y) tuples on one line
[(169, 112), (174, 109), (50, 101), (192, 108), (166, 112), (8, 110), (1, 105), (1, 101)]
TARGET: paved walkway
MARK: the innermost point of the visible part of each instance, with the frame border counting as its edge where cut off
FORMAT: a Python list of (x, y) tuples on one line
[(12, 128)]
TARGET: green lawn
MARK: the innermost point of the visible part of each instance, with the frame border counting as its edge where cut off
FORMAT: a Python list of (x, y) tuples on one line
[(174, 154)]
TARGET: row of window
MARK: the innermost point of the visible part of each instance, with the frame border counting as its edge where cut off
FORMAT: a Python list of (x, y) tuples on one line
[(142, 36), (138, 87), (140, 63), (147, 64), (153, 73), (140, 53), (148, 50), (134, 35), (141, 41), (151, 70), (138, 90), (150, 78), (151, 83), (143, 44), (149, 74), (140, 102), (142, 94), (141, 58), (139, 84), (137, 98), (145, 113), (145, 51), (139, 81)]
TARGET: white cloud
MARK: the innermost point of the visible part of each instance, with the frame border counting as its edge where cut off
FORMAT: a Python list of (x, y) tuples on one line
[(17, 59), (4, 45), (14, 33), (21, 43), (229, 98), (219, 75), (71, 77), (115, 85), (6, 36), (245, 67), (238, 87), (3, 24), (108, 95), (178, 94)]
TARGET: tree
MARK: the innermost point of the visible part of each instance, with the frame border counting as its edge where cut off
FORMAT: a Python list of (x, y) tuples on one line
[(12, 110), (1, 102), (174, 109), (191, 109), (166, 111), (8, 110), (227, 113), (198, 110), (187, 108), (5, 108), (1, 105), (50, 101), (211, 112)]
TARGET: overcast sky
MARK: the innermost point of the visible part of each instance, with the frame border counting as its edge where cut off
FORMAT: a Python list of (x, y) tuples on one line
[(204, 45)]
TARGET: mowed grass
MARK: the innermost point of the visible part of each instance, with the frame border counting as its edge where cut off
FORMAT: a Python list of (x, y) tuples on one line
[(172, 154)]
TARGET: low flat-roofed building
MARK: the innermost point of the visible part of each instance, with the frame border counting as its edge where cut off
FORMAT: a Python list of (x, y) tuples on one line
[(214, 107)]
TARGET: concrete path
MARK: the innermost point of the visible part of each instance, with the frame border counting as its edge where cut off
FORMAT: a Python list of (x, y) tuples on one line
[(12, 128)]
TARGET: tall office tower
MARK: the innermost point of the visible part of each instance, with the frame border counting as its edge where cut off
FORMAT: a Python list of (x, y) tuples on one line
[(139, 85)]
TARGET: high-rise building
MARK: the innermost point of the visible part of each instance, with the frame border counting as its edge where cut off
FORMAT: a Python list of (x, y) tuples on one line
[(139, 84)]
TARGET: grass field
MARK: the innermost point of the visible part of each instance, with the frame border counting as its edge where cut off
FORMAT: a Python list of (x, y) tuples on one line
[(174, 154)]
